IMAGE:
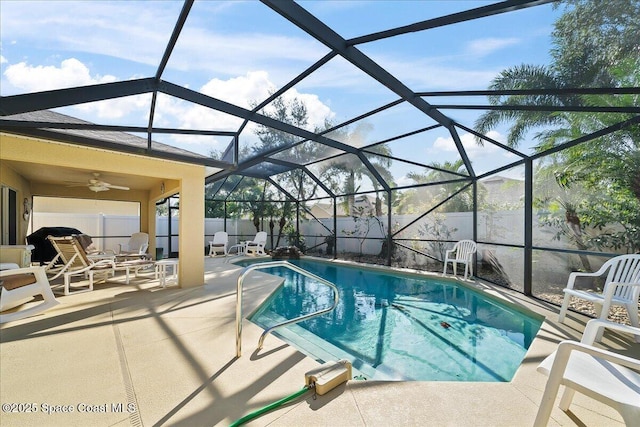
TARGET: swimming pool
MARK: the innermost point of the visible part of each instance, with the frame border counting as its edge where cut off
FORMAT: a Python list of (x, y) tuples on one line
[(395, 326)]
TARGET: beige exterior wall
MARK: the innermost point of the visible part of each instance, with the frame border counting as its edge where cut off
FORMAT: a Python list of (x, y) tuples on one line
[(10, 178), (169, 178), (113, 207)]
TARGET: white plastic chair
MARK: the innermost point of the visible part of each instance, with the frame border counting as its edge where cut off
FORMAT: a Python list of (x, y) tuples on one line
[(621, 287), (137, 245), (21, 285), (256, 246), (600, 374), (219, 243), (462, 253)]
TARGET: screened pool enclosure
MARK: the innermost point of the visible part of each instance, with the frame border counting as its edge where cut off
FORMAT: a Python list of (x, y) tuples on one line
[(384, 138)]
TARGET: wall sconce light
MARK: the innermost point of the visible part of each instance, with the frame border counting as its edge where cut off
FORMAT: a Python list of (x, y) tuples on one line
[(162, 187), (26, 209)]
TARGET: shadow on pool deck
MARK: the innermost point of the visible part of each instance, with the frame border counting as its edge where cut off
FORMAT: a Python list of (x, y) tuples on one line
[(168, 355)]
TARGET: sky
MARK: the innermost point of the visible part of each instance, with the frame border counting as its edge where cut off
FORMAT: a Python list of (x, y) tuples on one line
[(241, 51)]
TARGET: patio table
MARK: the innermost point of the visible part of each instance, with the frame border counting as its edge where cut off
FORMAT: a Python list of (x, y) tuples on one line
[(161, 270)]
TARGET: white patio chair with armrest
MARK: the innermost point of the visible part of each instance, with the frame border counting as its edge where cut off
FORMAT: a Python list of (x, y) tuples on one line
[(256, 246), (76, 262), (137, 245), (462, 253), (621, 287), (21, 285), (219, 243), (608, 377)]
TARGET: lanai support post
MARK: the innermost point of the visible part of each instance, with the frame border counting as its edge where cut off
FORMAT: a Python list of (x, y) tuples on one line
[(335, 228), (528, 226), (389, 236), (474, 190)]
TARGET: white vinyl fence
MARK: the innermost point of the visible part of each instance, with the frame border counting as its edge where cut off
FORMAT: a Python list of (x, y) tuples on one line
[(110, 230), (505, 227)]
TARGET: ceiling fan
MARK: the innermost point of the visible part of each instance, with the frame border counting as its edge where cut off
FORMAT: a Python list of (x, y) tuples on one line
[(96, 184)]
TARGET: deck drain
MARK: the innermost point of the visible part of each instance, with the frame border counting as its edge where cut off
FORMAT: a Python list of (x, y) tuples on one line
[(132, 402)]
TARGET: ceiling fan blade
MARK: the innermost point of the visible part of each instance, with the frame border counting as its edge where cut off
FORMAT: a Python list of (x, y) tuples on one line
[(95, 184), (116, 187)]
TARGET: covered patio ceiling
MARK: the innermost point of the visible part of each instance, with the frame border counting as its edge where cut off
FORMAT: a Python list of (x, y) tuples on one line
[(382, 112)]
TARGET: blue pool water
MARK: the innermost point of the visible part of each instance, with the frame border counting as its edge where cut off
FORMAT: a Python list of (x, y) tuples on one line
[(394, 326)]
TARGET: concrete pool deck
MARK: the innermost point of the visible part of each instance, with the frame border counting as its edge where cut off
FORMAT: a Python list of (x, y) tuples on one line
[(168, 356)]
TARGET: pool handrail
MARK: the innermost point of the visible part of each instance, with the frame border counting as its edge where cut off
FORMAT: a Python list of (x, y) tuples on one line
[(270, 264)]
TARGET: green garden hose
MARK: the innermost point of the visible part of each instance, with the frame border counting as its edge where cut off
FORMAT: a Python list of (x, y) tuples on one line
[(269, 407)]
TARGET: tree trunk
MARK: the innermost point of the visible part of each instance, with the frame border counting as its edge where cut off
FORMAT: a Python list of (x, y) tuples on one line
[(282, 224), (573, 222), (378, 205), (271, 226)]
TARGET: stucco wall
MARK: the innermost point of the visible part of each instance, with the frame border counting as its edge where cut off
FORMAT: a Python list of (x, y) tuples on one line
[(176, 177), (9, 178)]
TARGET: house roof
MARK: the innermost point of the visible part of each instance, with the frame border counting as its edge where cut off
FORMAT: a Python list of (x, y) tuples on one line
[(51, 124)]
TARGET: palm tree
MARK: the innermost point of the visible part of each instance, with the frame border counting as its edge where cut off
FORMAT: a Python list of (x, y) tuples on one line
[(595, 44), (342, 173), (519, 78), (428, 196), (381, 162)]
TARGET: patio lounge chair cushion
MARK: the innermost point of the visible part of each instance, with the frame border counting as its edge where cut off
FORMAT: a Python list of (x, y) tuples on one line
[(219, 243), (76, 262), (21, 285), (19, 280), (256, 246), (44, 251)]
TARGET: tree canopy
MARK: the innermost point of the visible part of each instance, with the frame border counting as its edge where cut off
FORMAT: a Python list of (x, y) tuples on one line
[(595, 44)]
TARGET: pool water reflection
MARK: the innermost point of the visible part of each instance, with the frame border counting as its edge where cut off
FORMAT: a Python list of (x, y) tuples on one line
[(396, 326)]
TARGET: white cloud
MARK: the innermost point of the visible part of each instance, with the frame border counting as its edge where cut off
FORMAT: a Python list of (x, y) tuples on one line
[(37, 78), (73, 73), (142, 29), (444, 72), (241, 90), (425, 73), (244, 91), (139, 33), (3, 60), (473, 149), (317, 111), (486, 46), (120, 108), (234, 54)]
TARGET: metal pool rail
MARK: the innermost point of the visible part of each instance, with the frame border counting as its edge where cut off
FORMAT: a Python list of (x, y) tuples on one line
[(290, 266)]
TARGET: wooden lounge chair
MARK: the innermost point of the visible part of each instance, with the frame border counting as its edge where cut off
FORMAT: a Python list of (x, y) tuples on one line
[(19, 286), (75, 262)]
